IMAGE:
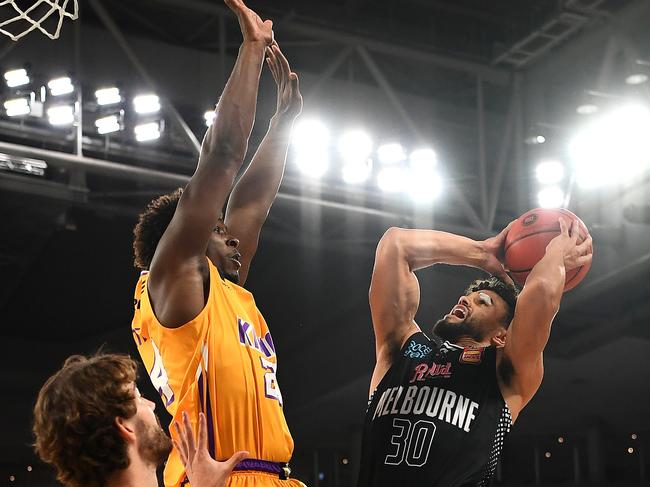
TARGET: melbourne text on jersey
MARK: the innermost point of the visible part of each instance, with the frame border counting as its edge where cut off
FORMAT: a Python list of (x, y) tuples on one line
[(434, 402)]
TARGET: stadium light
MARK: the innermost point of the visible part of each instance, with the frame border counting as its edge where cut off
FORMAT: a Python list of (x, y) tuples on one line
[(614, 148), (392, 179), (16, 78), (109, 124), (108, 96), (535, 140), (60, 115), (637, 73), (636, 79), (355, 146), (424, 189), (551, 197), (17, 107), (148, 103), (357, 172), (549, 172), (60, 86), (391, 153), (146, 132), (313, 164), (423, 160), (586, 109), (209, 117)]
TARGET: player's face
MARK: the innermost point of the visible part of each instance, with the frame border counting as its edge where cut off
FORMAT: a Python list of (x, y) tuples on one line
[(154, 445), (222, 251), (478, 315)]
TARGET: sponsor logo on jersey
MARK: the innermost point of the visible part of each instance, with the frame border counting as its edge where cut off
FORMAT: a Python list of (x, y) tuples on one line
[(471, 356), (427, 371), (417, 350)]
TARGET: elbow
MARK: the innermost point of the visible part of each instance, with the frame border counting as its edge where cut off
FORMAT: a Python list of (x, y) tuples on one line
[(392, 237), (547, 291)]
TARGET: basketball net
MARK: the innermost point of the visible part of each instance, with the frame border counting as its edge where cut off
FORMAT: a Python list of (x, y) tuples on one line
[(34, 16)]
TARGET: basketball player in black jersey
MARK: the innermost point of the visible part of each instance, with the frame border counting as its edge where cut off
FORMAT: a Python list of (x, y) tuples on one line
[(441, 407)]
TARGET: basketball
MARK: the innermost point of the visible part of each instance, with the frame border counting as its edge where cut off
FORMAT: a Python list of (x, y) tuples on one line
[(527, 240)]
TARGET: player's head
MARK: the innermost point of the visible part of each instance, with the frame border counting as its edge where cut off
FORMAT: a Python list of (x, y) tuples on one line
[(152, 223), (91, 423), (483, 313)]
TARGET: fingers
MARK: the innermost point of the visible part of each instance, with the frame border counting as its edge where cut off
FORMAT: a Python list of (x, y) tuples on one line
[(585, 246), (584, 260), (284, 64), (563, 227), (272, 61), (295, 82), (506, 278), (181, 451), (574, 230), (235, 459), (189, 435), (203, 432), (182, 435)]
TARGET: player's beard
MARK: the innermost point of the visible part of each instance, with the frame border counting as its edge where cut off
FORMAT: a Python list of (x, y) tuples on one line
[(453, 331), (154, 446)]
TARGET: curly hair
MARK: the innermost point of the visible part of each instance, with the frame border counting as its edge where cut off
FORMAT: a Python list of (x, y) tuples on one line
[(74, 418), (506, 292), (151, 225)]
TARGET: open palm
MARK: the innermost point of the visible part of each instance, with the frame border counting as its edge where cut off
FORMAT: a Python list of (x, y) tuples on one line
[(201, 469)]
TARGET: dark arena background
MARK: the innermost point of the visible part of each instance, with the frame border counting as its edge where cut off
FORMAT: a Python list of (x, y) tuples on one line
[(457, 115)]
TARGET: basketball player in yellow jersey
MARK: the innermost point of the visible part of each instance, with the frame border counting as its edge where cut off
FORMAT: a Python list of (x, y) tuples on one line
[(206, 346)]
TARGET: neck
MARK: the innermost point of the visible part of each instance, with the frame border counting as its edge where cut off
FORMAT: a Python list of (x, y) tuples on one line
[(137, 474)]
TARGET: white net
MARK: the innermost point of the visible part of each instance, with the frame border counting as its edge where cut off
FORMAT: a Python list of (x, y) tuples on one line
[(20, 17)]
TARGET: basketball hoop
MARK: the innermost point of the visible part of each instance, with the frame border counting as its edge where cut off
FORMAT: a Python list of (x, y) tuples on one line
[(22, 21)]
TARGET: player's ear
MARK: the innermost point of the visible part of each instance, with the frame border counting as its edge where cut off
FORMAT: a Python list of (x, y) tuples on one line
[(125, 429), (499, 340)]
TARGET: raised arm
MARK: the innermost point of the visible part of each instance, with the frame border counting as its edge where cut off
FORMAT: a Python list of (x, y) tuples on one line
[(178, 270), (255, 192), (521, 364), (394, 289)]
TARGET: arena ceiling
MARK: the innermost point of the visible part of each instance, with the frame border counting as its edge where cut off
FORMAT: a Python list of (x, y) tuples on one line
[(473, 78)]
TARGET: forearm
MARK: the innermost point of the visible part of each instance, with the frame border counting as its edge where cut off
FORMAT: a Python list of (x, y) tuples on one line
[(235, 112), (423, 248), (258, 186), (548, 277)]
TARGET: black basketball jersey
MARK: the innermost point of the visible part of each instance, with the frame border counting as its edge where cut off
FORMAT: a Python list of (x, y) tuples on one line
[(436, 419)]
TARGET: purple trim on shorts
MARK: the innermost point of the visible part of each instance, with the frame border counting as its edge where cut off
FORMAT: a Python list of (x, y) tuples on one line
[(260, 466)]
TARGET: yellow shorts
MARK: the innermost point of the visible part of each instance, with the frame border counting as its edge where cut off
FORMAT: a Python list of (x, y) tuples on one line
[(249, 478)]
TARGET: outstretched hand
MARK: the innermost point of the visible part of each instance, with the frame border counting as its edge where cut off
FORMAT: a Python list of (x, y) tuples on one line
[(494, 254), (253, 28), (575, 254), (201, 469), (289, 102)]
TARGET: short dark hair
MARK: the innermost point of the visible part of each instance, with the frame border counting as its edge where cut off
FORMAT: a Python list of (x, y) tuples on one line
[(74, 418), (151, 225), (507, 292)]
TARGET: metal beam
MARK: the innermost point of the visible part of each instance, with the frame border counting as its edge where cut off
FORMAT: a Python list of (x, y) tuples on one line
[(121, 40), (329, 71), (390, 92), (490, 74)]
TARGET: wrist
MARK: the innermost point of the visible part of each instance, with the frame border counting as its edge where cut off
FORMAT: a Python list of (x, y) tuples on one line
[(282, 121), (254, 44)]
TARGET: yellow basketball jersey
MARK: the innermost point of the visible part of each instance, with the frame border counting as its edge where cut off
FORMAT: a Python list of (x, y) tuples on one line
[(223, 363)]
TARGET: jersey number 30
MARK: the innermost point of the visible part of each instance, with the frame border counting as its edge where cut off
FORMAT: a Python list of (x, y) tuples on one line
[(412, 442)]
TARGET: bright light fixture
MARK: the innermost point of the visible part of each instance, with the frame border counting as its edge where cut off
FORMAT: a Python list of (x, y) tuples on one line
[(392, 179), (108, 96), (587, 109), (551, 197), (614, 148), (391, 153), (310, 135), (147, 131), (209, 117), (424, 189), (423, 161), (60, 115), (60, 86), (357, 172), (16, 77), (355, 146), (549, 172), (16, 107), (535, 140), (148, 103), (312, 164), (107, 125), (636, 79)]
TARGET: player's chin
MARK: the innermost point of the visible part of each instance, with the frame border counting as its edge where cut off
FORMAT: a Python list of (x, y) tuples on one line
[(232, 275)]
